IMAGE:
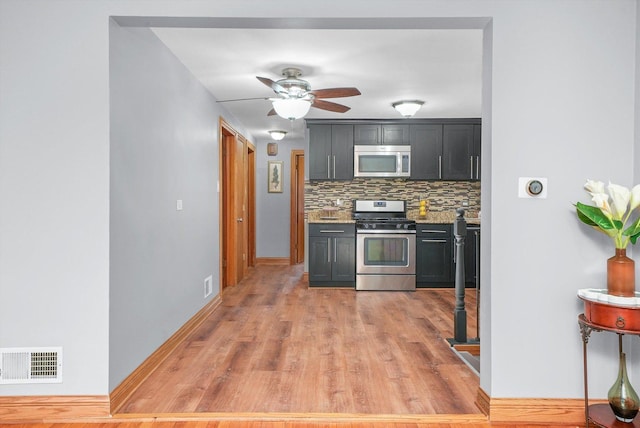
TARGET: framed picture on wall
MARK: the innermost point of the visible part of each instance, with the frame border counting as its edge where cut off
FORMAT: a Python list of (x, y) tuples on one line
[(275, 176)]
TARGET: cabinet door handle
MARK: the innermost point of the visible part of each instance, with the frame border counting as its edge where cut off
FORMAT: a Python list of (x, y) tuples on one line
[(440, 167), (335, 250), (334, 166), (477, 167), (437, 241), (328, 250), (328, 168), (471, 166), (434, 231), (331, 231)]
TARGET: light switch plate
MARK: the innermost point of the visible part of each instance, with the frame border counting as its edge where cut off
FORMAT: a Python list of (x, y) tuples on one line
[(524, 184), (179, 205)]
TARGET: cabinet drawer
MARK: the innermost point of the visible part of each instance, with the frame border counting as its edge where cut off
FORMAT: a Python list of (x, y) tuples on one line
[(329, 229), (434, 230), (606, 315)]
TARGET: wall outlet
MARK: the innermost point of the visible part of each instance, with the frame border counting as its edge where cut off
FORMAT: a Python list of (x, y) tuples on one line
[(208, 286), (179, 205), (465, 203)]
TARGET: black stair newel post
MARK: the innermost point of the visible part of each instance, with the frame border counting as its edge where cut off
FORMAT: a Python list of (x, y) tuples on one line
[(459, 312)]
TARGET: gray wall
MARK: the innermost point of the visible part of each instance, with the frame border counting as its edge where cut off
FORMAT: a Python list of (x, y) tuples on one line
[(164, 148), (273, 209), (559, 102)]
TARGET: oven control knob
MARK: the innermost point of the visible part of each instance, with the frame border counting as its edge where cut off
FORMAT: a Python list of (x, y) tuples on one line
[(398, 226)]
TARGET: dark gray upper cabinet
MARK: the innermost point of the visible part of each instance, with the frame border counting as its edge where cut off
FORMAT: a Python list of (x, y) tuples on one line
[(392, 134), (441, 149), (426, 151), (449, 151), (457, 152), (330, 152), (477, 150)]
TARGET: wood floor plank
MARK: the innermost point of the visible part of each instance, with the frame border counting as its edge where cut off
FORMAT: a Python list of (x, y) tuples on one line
[(276, 345)]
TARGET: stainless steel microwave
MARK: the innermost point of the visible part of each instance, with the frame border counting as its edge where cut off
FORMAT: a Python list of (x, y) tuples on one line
[(381, 161)]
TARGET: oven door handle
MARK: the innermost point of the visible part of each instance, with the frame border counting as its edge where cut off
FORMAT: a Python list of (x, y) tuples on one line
[(386, 231)]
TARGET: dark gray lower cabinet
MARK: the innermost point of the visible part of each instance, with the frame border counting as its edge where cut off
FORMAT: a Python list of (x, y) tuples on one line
[(332, 255), (472, 255), (434, 255)]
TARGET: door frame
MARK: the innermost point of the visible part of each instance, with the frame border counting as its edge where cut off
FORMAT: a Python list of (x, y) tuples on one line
[(228, 224), (296, 204)]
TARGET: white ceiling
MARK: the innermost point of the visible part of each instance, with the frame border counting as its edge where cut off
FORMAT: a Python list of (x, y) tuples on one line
[(441, 67)]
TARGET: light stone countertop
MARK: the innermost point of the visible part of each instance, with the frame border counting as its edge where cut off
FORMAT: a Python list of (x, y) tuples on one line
[(439, 217), (323, 216), (432, 217)]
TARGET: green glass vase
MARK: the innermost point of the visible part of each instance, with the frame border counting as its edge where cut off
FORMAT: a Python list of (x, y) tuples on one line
[(622, 397)]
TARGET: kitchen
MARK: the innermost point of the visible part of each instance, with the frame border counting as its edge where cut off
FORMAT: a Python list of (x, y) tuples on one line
[(446, 76), (334, 219)]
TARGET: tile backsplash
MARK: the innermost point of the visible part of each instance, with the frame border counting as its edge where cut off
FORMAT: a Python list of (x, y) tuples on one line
[(442, 195)]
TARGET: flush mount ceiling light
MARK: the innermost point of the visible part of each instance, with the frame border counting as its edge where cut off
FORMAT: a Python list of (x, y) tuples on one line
[(291, 108), (407, 108), (277, 134)]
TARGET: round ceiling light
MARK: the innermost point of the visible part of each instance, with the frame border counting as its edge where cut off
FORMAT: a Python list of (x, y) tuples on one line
[(291, 108), (277, 134), (407, 108)]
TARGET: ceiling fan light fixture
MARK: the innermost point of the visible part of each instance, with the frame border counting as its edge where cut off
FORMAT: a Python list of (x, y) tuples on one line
[(277, 134), (408, 108), (291, 108)]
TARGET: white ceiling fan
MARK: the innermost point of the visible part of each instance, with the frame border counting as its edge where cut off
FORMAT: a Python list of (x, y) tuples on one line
[(294, 96)]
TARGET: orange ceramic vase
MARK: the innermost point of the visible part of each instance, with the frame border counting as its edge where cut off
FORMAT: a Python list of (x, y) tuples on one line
[(621, 274)]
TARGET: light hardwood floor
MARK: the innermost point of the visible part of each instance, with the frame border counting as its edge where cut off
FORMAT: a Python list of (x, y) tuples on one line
[(278, 424), (277, 346)]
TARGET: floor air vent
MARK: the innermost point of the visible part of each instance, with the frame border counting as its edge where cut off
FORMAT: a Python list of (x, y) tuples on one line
[(30, 365)]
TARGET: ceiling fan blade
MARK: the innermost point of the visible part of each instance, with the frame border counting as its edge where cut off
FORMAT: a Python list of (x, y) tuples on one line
[(270, 83), (328, 105), (336, 92), (242, 99)]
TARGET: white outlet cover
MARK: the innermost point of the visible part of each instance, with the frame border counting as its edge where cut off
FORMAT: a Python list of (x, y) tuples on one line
[(523, 182), (179, 205), (208, 286)]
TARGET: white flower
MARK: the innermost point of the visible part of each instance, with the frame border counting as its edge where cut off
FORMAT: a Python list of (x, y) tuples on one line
[(612, 211), (620, 197), (602, 201), (635, 197), (594, 187)]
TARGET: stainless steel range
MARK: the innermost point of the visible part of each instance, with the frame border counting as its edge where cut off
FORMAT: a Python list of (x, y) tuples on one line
[(385, 246)]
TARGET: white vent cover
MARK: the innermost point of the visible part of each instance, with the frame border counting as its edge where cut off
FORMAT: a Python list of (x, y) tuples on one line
[(30, 365)]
